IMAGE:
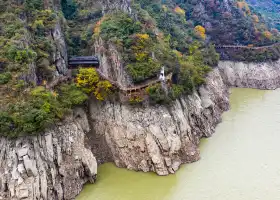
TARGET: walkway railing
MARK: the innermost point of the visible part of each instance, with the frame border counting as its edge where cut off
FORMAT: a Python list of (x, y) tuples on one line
[(128, 91), (245, 47)]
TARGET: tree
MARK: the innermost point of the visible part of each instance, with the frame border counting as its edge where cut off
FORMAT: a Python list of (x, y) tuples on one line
[(179, 11), (88, 80), (69, 8), (200, 31)]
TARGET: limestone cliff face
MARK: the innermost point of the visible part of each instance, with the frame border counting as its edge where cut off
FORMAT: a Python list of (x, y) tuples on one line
[(251, 75), (54, 165), (60, 57), (111, 62), (160, 138)]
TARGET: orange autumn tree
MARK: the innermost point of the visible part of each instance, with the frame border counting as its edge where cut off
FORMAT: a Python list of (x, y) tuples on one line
[(256, 18), (268, 35), (242, 5), (179, 11), (200, 31), (97, 27)]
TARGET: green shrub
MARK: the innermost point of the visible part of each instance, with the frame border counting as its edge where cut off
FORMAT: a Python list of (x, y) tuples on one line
[(31, 5), (157, 94), (119, 25), (141, 71), (69, 8), (6, 123), (5, 77), (176, 91), (13, 53), (70, 95), (40, 110)]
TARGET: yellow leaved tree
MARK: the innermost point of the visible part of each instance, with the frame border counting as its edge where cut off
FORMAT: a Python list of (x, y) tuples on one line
[(179, 11), (268, 35), (89, 81), (256, 18), (200, 31)]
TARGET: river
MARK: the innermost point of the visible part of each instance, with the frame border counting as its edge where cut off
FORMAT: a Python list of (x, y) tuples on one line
[(239, 162)]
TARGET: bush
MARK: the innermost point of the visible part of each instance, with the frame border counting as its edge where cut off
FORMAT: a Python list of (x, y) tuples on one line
[(141, 71), (69, 8), (88, 80), (31, 5), (5, 77), (157, 94), (39, 111), (176, 91), (70, 95), (119, 26), (13, 53)]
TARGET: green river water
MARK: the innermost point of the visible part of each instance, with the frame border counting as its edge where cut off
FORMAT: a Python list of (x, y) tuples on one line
[(239, 162)]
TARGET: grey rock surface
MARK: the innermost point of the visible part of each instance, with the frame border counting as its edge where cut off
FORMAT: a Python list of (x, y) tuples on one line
[(251, 75), (45, 166), (160, 138)]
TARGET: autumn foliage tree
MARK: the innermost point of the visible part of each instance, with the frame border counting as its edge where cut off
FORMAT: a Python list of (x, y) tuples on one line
[(267, 35), (179, 11), (200, 31), (256, 18), (89, 81)]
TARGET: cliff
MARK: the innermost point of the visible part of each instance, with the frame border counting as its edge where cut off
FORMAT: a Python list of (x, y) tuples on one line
[(251, 75), (160, 138), (56, 164)]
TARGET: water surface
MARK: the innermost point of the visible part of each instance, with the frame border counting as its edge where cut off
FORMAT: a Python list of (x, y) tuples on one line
[(240, 162)]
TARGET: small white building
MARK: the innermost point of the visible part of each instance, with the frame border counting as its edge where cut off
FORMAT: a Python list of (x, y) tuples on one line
[(162, 75)]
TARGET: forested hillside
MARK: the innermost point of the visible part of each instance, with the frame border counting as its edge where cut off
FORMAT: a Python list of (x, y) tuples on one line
[(270, 9), (38, 36)]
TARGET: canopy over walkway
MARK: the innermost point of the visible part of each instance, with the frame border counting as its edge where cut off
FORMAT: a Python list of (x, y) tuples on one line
[(74, 62)]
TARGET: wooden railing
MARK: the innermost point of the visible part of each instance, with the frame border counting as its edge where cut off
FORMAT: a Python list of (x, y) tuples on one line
[(127, 91), (245, 47)]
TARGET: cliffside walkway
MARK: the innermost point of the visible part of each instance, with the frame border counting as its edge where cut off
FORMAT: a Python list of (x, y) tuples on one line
[(134, 89), (92, 61), (245, 47)]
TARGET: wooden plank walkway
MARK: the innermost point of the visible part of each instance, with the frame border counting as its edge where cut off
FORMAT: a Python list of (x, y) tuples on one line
[(123, 89)]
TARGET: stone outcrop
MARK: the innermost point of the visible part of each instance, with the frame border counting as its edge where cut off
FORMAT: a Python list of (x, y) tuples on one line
[(60, 57), (160, 138), (251, 75), (54, 165), (111, 63)]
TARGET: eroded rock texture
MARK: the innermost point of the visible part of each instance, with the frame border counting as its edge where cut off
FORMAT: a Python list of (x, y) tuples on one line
[(251, 75), (54, 165), (160, 138)]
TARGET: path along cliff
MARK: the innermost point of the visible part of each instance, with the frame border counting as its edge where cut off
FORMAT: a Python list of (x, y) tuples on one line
[(56, 164)]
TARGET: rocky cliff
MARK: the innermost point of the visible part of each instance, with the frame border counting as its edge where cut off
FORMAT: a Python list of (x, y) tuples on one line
[(160, 138), (56, 164), (251, 75)]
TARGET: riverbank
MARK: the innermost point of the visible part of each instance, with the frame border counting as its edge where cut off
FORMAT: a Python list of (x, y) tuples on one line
[(154, 138)]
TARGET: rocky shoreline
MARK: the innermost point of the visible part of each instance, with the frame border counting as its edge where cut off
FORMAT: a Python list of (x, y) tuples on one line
[(56, 164)]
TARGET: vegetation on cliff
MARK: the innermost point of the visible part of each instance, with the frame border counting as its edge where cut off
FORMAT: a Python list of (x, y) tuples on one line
[(178, 35), (270, 9)]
